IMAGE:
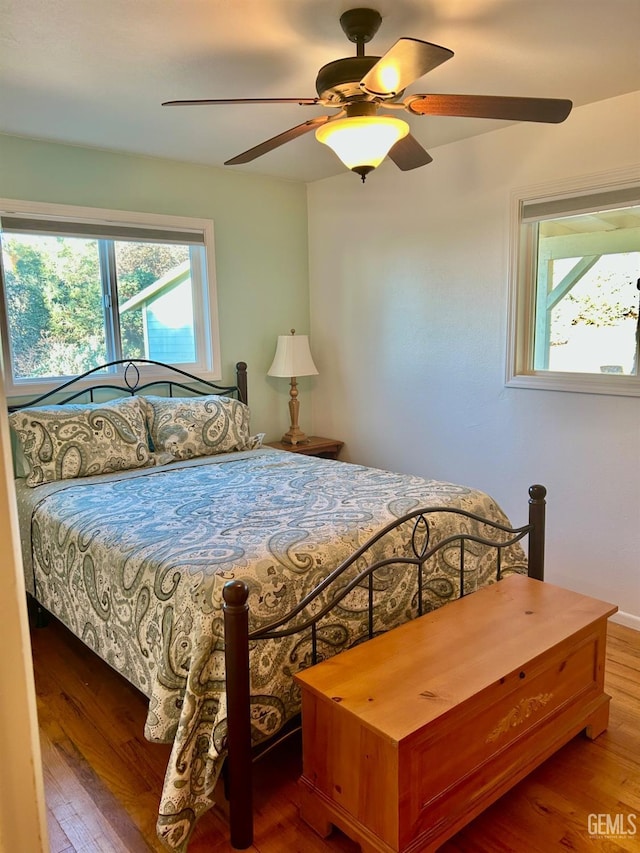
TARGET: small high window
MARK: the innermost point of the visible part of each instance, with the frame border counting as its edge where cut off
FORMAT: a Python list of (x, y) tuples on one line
[(79, 291), (576, 293)]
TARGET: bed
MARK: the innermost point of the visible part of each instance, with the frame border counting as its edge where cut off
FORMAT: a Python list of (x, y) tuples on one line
[(207, 569)]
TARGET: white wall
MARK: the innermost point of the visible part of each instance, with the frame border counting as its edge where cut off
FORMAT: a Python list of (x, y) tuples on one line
[(409, 278)]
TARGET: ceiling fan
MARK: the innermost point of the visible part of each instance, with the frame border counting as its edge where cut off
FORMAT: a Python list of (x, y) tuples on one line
[(360, 86)]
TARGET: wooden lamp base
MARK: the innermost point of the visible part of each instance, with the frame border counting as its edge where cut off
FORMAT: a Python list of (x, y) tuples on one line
[(294, 434)]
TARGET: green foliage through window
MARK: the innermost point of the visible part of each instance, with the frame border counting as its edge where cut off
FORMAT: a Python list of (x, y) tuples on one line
[(60, 305)]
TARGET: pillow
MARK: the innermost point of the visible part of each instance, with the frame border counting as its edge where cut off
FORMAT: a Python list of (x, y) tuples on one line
[(20, 464), (188, 427), (82, 439)]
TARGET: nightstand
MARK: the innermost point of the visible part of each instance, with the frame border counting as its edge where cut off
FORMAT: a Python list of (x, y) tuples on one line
[(327, 448)]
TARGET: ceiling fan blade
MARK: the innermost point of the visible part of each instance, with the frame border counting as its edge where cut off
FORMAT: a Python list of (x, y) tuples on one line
[(552, 110), (201, 101), (408, 154), (276, 141), (403, 63)]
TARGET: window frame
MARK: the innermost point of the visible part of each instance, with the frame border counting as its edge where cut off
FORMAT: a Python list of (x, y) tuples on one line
[(519, 368), (205, 303)]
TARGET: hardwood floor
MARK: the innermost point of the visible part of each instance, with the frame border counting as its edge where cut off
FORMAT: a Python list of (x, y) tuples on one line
[(103, 780)]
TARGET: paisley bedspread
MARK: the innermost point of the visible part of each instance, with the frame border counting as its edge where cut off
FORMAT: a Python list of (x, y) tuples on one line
[(134, 564)]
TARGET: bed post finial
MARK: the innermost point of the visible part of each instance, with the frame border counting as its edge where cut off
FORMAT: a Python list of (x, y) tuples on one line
[(537, 511), (236, 654), (241, 381), (235, 594)]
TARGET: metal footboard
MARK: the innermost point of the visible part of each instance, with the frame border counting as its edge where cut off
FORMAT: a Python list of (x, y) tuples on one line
[(420, 551)]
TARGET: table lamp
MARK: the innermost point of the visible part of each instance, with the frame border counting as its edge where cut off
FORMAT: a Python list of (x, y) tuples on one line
[(293, 359)]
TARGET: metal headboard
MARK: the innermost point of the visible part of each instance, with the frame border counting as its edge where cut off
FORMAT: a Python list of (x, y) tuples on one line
[(130, 381)]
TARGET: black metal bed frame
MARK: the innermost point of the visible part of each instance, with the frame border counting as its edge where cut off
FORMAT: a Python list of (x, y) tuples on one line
[(238, 637), (132, 377)]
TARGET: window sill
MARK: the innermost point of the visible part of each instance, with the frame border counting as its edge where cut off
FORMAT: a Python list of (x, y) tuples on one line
[(580, 383)]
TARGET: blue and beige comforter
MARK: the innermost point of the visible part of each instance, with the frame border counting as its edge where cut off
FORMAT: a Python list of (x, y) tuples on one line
[(134, 564)]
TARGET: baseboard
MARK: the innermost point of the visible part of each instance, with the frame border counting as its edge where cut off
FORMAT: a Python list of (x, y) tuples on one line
[(626, 619)]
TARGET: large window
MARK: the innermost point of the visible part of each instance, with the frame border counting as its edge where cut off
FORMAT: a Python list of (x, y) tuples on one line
[(575, 320), (84, 287)]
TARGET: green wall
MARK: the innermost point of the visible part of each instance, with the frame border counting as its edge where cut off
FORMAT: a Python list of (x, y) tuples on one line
[(260, 236)]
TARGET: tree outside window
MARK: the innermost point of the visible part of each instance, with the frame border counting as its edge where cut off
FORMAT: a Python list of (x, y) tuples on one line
[(80, 294)]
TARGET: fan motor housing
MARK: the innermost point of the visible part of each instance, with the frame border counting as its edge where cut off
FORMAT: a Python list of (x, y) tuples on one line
[(339, 81)]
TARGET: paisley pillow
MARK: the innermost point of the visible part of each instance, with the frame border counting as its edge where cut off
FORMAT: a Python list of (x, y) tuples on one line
[(82, 439), (187, 427)]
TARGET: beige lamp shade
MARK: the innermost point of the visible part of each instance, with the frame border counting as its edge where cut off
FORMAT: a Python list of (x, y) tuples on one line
[(293, 357)]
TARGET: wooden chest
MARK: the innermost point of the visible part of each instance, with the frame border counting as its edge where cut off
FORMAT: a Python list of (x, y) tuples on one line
[(408, 737)]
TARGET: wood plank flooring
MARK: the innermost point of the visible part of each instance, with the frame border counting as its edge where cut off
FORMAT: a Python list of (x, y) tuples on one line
[(103, 780)]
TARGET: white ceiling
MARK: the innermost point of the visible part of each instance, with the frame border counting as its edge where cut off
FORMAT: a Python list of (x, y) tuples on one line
[(94, 72)]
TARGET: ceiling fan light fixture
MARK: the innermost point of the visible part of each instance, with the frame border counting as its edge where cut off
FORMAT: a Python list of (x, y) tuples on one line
[(362, 142)]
